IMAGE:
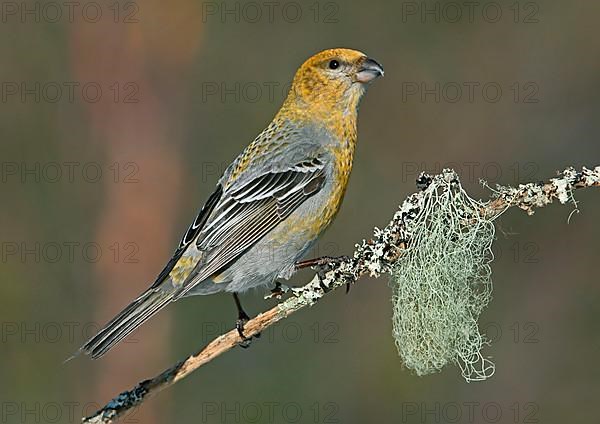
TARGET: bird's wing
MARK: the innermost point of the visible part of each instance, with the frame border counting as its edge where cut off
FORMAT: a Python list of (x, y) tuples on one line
[(191, 234), (246, 212)]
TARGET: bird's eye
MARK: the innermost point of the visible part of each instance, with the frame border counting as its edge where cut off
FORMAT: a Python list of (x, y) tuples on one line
[(334, 64)]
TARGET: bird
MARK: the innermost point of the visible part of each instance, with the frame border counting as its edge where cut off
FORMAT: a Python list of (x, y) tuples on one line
[(272, 203)]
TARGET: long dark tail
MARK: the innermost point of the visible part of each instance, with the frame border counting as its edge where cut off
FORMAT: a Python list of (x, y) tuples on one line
[(130, 318)]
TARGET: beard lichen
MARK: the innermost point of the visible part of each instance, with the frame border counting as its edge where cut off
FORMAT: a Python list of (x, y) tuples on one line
[(441, 283)]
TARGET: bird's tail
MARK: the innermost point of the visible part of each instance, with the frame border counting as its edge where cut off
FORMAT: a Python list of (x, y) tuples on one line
[(130, 318)]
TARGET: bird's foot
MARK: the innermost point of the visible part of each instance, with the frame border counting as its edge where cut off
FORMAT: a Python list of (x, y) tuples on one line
[(243, 318), (278, 291), (239, 325), (323, 265)]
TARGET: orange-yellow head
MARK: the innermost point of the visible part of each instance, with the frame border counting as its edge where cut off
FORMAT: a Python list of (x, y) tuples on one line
[(332, 81)]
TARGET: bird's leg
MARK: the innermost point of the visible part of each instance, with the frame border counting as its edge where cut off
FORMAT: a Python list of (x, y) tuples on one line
[(243, 318)]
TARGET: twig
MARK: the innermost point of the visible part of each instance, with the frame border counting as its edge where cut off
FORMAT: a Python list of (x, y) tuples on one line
[(373, 257)]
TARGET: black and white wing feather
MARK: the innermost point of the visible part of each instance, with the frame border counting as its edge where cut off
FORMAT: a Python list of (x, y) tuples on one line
[(249, 211)]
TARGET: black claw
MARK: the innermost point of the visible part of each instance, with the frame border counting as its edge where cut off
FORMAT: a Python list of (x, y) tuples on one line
[(322, 265), (239, 325), (278, 291), (323, 286), (243, 318), (328, 262)]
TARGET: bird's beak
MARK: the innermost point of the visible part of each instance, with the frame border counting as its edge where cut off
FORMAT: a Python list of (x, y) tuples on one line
[(369, 70)]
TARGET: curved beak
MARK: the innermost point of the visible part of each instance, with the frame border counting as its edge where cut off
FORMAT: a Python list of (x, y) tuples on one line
[(369, 70)]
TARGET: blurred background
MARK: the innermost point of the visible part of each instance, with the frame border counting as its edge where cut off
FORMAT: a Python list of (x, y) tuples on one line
[(117, 119)]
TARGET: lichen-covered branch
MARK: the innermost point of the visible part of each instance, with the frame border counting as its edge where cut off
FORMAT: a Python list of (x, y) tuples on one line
[(373, 257)]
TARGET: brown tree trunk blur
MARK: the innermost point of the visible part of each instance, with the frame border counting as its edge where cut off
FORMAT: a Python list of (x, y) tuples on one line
[(138, 66)]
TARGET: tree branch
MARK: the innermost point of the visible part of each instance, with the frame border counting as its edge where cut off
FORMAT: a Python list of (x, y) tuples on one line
[(373, 257)]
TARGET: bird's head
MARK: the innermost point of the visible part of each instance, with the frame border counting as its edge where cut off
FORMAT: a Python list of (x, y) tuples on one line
[(334, 79)]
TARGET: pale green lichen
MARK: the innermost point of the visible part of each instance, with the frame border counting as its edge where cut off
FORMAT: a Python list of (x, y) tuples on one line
[(441, 283)]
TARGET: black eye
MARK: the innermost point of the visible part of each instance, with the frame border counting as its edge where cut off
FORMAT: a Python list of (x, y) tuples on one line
[(334, 64)]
